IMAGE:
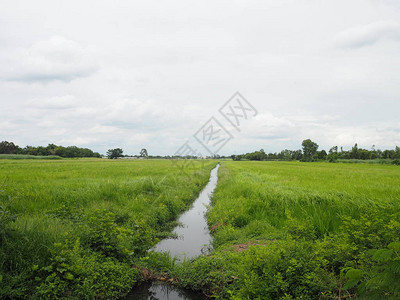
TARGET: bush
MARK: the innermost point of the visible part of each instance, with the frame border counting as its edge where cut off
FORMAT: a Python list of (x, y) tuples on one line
[(378, 278), (112, 240), (76, 273), (209, 274), (282, 270)]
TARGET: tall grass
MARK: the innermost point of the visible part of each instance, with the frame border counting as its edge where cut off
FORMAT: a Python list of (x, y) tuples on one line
[(290, 230), (55, 200), (318, 192)]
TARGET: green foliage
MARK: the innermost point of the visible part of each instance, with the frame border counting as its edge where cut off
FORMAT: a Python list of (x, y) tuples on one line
[(282, 230), (76, 273), (107, 237), (289, 231), (23, 156), (300, 229), (112, 208), (8, 147), (158, 262), (309, 150), (286, 154), (356, 154), (282, 270), (50, 152), (353, 277), (209, 274), (114, 153), (378, 275), (68, 212), (372, 229)]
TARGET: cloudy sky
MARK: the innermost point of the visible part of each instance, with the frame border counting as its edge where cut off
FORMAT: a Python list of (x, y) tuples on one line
[(149, 74)]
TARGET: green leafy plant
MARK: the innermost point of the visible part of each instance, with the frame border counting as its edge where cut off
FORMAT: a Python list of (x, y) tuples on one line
[(76, 273), (378, 278), (109, 238), (67, 211)]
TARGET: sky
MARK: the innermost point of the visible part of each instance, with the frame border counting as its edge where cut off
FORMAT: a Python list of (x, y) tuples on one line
[(152, 74)]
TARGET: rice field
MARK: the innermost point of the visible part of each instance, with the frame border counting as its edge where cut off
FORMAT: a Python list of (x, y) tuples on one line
[(93, 210), (291, 230), (322, 193), (82, 228)]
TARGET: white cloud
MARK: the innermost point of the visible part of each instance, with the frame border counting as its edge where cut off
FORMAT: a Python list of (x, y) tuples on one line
[(58, 102), (54, 59), (136, 74), (369, 34)]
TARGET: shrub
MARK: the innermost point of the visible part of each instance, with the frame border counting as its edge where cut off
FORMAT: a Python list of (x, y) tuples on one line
[(112, 240), (209, 274), (378, 278), (76, 273), (282, 270)]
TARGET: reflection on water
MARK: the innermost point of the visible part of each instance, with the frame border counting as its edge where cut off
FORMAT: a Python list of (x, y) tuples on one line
[(161, 291), (193, 239), (193, 236)]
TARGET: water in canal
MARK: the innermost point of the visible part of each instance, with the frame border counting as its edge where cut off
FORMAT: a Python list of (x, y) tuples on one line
[(193, 239)]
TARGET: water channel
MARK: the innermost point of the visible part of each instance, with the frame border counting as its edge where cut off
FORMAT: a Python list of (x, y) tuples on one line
[(193, 239)]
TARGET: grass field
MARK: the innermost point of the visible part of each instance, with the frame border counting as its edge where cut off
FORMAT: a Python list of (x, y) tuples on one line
[(288, 230), (73, 228), (282, 230), (321, 192)]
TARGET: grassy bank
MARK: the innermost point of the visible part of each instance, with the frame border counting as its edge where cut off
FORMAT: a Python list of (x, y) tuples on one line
[(73, 228), (288, 230)]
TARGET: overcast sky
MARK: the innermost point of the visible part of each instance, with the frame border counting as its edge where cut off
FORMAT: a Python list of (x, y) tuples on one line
[(149, 74)]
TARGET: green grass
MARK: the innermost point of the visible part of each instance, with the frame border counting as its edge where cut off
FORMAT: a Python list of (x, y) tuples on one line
[(383, 161), (287, 230), (321, 192), (282, 230), (113, 209)]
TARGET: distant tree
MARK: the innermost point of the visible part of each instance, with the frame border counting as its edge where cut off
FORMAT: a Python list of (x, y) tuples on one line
[(236, 157), (285, 155), (354, 152), (309, 149), (297, 155), (333, 154), (397, 152), (143, 153), (322, 154), (334, 149), (8, 147), (114, 153)]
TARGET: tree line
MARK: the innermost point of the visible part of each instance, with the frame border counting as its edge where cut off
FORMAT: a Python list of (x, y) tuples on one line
[(309, 152), (51, 149)]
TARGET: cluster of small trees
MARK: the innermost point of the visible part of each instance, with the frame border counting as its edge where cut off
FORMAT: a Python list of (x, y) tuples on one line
[(310, 152), (118, 152), (51, 149), (261, 155), (359, 153)]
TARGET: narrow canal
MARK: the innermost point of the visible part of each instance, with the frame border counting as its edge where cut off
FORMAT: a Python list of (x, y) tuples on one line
[(193, 239)]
